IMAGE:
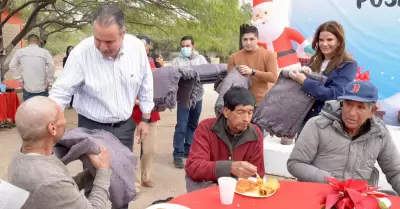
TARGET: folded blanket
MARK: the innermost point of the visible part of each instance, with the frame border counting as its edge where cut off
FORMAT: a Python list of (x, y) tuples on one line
[(78, 142), (210, 73), (165, 83), (285, 106), (175, 83), (189, 86), (233, 78)]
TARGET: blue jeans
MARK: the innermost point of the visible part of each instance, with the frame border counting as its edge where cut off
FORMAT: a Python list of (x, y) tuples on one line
[(27, 95), (187, 120)]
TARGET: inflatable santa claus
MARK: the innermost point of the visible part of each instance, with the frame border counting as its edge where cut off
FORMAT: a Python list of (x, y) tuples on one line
[(275, 36)]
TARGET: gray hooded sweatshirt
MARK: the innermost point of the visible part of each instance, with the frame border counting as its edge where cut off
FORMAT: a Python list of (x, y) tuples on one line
[(325, 149)]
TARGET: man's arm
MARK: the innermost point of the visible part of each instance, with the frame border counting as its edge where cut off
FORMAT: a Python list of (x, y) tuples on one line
[(257, 153), (146, 91), (199, 166), (64, 194), (68, 82), (50, 68), (270, 74), (231, 63), (389, 161), (304, 152), (82, 177), (175, 62), (203, 60), (14, 63)]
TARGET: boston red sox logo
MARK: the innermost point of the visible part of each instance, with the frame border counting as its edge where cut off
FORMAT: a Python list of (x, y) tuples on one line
[(356, 88)]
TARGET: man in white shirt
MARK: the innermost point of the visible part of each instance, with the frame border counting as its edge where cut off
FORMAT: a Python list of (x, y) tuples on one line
[(106, 73), (34, 68)]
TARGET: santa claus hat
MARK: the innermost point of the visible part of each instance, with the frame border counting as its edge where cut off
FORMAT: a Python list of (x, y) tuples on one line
[(258, 2)]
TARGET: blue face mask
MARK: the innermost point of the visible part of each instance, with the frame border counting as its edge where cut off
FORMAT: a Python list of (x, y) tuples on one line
[(186, 51)]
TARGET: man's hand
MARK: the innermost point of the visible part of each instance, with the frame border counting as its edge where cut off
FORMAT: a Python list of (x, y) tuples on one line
[(245, 70), (21, 83), (102, 160), (242, 169), (142, 131), (297, 76)]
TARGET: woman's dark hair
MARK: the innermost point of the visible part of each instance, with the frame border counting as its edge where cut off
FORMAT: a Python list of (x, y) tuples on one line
[(155, 56), (238, 96), (340, 56), (67, 50)]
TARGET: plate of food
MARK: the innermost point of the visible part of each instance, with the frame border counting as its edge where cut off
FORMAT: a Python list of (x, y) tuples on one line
[(167, 206), (257, 187)]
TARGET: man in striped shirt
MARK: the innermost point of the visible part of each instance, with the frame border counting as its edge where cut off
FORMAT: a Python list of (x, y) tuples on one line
[(106, 73)]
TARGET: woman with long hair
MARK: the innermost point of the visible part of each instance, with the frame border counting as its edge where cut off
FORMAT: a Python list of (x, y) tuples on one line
[(69, 49), (331, 60)]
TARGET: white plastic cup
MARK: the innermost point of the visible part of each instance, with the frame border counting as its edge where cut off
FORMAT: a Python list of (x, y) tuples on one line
[(227, 186)]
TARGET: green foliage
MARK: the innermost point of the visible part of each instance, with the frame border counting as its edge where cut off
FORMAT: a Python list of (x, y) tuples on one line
[(214, 25)]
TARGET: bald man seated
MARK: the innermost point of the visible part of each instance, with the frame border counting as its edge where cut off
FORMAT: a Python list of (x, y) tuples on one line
[(34, 168)]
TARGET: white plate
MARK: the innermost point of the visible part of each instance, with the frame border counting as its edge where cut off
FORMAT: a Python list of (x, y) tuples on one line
[(254, 193), (167, 206), (386, 201)]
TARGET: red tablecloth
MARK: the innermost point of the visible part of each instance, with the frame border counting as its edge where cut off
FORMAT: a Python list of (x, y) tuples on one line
[(291, 195), (9, 104)]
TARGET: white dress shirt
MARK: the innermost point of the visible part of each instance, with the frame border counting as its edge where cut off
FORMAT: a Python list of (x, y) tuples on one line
[(105, 89), (34, 66)]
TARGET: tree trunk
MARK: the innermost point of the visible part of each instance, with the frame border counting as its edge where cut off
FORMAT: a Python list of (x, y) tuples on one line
[(3, 66), (27, 28)]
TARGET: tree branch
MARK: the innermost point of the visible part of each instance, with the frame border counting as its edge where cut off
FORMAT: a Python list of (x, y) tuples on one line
[(4, 4), (27, 28), (19, 9), (53, 21), (149, 25)]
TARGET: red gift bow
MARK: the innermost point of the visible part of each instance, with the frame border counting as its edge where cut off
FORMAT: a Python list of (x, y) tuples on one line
[(362, 76), (350, 194)]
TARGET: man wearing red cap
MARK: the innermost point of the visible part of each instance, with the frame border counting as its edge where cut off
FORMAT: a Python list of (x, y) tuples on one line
[(275, 36)]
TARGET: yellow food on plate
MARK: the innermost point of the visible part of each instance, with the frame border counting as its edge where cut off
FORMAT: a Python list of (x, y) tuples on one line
[(272, 184), (265, 191), (245, 185), (260, 182), (258, 186)]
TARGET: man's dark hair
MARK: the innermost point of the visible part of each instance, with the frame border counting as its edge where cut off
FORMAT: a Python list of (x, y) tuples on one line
[(108, 14), (186, 38), (238, 96), (249, 29), (33, 37)]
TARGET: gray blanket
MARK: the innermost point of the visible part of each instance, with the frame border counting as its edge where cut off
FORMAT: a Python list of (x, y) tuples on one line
[(165, 83), (78, 142), (210, 73), (285, 106), (233, 78), (175, 83)]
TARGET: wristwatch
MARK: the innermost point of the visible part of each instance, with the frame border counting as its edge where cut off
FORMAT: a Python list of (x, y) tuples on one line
[(146, 120), (253, 72)]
